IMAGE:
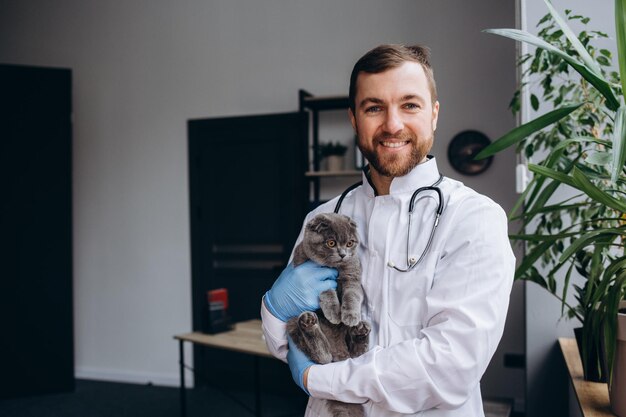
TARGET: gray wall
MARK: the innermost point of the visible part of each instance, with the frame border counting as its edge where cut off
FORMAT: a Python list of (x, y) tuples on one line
[(143, 68), (547, 384)]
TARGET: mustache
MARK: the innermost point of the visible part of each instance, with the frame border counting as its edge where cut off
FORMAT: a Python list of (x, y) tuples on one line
[(403, 135)]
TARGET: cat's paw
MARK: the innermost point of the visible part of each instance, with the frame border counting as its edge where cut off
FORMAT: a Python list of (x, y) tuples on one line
[(361, 330), (350, 317), (330, 306), (332, 317), (307, 321)]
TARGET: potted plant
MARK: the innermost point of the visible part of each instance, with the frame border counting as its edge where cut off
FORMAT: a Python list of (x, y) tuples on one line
[(583, 145), (333, 153)]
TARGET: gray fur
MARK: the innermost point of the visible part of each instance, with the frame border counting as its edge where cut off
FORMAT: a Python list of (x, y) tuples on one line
[(336, 331)]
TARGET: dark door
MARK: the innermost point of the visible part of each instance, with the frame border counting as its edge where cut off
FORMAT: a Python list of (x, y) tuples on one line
[(36, 353), (248, 200)]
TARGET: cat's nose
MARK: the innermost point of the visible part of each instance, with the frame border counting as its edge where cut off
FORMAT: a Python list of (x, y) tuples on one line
[(342, 255)]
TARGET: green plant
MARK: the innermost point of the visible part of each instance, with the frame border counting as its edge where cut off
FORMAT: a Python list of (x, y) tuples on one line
[(580, 143), (331, 148)]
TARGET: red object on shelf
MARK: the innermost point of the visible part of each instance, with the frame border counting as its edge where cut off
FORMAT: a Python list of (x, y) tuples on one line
[(218, 298)]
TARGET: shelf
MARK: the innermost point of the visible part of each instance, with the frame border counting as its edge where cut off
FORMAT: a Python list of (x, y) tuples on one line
[(315, 174), (593, 397), (326, 102)]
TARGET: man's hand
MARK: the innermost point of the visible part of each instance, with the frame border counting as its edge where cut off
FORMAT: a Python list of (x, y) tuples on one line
[(298, 289), (299, 365)]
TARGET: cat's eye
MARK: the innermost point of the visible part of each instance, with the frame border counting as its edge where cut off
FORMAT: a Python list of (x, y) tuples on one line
[(331, 243), (350, 243)]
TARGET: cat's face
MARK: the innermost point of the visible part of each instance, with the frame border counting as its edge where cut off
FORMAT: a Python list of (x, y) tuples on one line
[(331, 239)]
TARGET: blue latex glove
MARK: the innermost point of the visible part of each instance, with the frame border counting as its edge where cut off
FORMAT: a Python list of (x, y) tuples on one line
[(298, 289), (298, 363)]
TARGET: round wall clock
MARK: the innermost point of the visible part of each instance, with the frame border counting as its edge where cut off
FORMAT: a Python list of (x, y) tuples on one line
[(462, 150)]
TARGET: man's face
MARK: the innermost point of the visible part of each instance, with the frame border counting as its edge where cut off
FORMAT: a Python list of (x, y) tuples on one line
[(394, 118)]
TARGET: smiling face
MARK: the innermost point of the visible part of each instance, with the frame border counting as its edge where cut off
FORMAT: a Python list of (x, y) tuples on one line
[(395, 119)]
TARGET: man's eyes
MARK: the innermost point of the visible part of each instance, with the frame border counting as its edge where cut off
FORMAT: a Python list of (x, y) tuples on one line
[(406, 106), (373, 109)]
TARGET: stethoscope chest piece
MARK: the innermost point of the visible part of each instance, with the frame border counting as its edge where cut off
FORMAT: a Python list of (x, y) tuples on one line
[(411, 260)]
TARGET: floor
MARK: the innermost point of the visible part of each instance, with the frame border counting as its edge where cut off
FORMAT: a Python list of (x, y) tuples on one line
[(106, 399)]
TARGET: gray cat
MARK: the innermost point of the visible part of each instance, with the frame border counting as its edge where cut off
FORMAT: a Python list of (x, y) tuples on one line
[(339, 333)]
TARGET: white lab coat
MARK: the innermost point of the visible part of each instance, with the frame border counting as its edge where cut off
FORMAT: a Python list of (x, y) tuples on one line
[(435, 328)]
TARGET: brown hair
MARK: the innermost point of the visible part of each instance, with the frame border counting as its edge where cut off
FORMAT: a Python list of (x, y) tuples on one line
[(385, 57)]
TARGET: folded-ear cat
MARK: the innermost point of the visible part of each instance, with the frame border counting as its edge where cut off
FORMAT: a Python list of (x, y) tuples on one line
[(336, 331)]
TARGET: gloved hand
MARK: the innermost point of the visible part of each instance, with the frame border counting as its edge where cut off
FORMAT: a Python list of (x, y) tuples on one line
[(298, 289), (298, 363)]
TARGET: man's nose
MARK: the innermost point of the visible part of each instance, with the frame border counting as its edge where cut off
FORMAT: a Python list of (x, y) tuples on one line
[(393, 122)]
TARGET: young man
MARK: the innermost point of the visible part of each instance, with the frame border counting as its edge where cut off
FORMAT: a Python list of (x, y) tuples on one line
[(438, 311)]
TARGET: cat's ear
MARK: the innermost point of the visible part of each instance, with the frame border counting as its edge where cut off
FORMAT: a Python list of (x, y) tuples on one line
[(351, 222), (319, 223)]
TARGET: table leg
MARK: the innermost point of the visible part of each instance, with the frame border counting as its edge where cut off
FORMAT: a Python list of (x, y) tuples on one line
[(257, 387), (182, 396)]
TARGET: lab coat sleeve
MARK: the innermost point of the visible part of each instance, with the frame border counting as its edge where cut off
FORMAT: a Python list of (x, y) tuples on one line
[(275, 334), (465, 314)]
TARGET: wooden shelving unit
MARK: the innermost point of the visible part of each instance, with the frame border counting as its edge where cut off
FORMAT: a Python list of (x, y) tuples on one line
[(314, 105)]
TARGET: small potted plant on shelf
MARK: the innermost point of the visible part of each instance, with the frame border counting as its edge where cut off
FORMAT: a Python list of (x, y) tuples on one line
[(333, 154), (583, 150)]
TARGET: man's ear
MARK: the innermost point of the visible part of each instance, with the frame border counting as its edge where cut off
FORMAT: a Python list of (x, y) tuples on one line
[(352, 119), (435, 114)]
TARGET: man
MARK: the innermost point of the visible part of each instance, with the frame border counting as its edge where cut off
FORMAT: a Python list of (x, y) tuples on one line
[(436, 325)]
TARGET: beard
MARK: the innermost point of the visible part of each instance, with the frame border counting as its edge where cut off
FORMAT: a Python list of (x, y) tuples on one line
[(397, 165)]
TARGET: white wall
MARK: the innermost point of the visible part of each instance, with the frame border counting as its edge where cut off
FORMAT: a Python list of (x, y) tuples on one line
[(547, 385), (143, 68)]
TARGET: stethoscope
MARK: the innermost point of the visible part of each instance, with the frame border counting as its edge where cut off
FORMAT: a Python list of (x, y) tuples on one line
[(411, 262)]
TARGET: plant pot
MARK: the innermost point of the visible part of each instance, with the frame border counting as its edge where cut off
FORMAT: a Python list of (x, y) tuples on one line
[(595, 369), (618, 381), (334, 163)]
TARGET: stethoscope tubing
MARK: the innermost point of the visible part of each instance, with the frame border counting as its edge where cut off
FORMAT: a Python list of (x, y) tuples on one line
[(411, 262)]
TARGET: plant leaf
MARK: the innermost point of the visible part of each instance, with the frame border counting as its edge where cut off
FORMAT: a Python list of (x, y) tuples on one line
[(529, 259), (598, 82), (529, 214), (599, 158), (536, 185), (534, 102), (543, 238), (578, 46), (568, 275), (523, 131), (582, 139), (579, 181), (544, 195), (583, 184), (620, 33), (551, 173), (619, 143), (588, 238)]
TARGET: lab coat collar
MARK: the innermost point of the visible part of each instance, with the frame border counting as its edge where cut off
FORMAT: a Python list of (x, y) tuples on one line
[(422, 175)]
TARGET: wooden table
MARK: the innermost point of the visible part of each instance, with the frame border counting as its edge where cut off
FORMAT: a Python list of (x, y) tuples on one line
[(246, 337), (593, 397)]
